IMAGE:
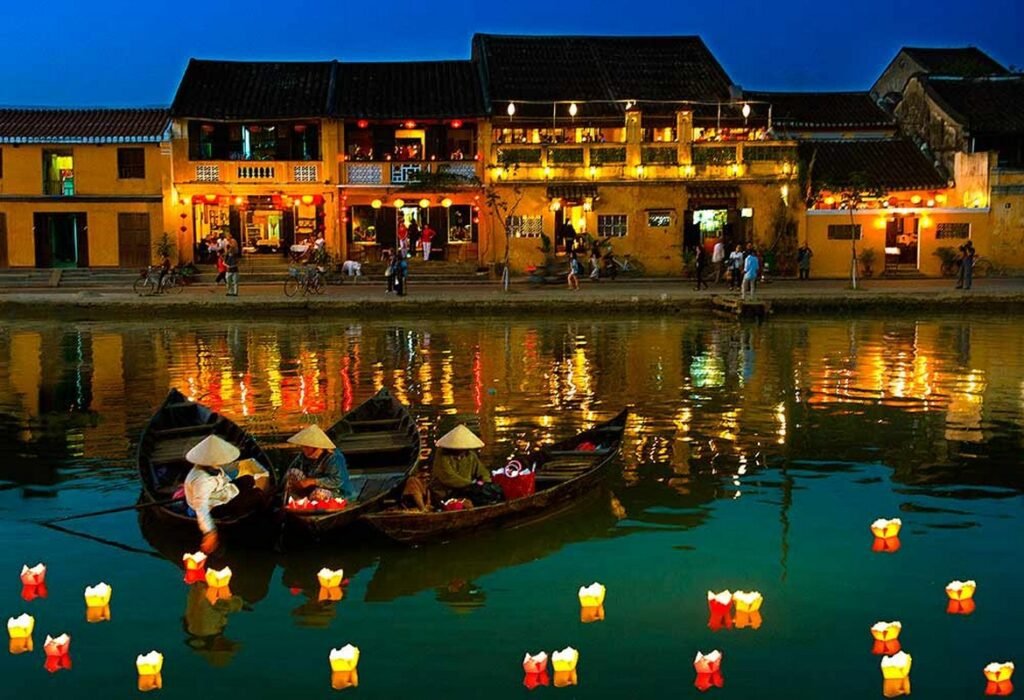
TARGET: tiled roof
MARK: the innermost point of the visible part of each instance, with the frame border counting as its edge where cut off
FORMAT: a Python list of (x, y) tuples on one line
[(255, 90), (984, 105), (823, 110), (967, 62), (582, 68), (424, 89), (83, 125), (895, 164)]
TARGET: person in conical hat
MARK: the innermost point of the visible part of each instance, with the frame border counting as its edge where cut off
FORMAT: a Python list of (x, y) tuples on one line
[(458, 472), (211, 494), (319, 471)]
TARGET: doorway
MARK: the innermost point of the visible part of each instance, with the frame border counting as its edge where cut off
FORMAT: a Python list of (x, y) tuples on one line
[(133, 239), (61, 240), (901, 236)]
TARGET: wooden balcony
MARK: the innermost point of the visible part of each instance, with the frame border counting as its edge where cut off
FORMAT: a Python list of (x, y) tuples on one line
[(399, 173), (258, 172)]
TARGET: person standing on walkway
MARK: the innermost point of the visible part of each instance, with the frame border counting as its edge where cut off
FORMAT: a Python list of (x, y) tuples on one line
[(231, 268), (718, 259), (736, 268), (389, 270), (965, 275), (803, 261), (575, 270), (403, 237), (751, 267), (700, 262), (595, 260), (426, 238), (401, 273), (414, 236)]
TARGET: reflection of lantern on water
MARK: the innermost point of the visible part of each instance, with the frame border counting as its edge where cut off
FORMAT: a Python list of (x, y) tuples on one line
[(32, 591), (744, 620), (961, 597), (216, 593), (896, 674), (332, 595), (719, 610), (709, 670), (218, 578), (150, 666), (330, 578), (886, 636), (999, 677), (344, 679), (57, 653), (195, 567), (564, 679), (588, 615), (33, 576), (536, 663), (565, 660), (533, 680), (344, 659), (97, 613), (20, 631), (888, 545)]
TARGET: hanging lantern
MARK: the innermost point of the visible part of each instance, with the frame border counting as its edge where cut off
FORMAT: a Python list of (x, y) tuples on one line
[(208, 128), (886, 636), (916, 199), (639, 171), (239, 200), (97, 596), (344, 659), (308, 199), (399, 203), (999, 677), (33, 576), (565, 660), (409, 124), (424, 203), (446, 203), (709, 670), (299, 128), (588, 204), (362, 124), (254, 128), (745, 110), (330, 578), (536, 663), (210, 198), (511, 109), (573, 109), (150, 667), (719, 610), (547, 172), (556, 204), (376, 204), (961, 597), (896, 675), (456, 123), (593, 171), (218, 578)]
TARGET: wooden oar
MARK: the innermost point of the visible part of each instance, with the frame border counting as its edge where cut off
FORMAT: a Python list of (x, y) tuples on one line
[(108, 511)]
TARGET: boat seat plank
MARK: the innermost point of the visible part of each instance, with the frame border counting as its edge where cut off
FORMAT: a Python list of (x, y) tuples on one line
[(174, 450)]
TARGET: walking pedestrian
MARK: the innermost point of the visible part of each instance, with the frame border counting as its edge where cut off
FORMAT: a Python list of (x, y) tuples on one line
[(426, 238), (575, 270), (401, 274), (751, 267), (389, 270), (965, 275), (595, 260), (735, 267), (700, 262), (231, 268), (718, 259), (803, 261)]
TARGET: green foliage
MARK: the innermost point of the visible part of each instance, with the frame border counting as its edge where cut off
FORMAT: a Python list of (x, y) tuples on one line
[(164, 246), (438, 182), (658, 155), (607, 156), (867, 257), (565, 156), (509, 156), (714, 155)]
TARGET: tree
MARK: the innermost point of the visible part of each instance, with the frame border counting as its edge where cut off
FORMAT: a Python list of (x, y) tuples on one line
[(503, 210)]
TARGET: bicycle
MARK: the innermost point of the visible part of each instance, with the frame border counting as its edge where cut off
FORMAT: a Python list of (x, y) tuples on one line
[(150, 282), (625, 266), (309, 280)]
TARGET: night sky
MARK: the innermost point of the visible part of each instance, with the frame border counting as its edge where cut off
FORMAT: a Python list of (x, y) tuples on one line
[(111, 53)]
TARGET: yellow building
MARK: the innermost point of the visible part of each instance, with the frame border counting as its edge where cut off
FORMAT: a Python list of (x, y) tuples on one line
[(82, 187)]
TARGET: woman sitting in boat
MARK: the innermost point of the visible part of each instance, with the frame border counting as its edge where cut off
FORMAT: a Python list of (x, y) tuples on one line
[(458, 472), (319, 472), (211, 493)]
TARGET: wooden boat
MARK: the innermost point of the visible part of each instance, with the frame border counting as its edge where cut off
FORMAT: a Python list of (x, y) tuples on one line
[(177, 426), (564, 474), (381, 444)]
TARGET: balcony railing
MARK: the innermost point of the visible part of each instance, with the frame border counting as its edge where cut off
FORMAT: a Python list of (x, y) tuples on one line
[(404, 172), (267, 172)]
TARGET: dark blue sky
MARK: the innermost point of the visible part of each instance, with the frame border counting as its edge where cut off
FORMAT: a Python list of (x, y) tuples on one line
[(111, 52)]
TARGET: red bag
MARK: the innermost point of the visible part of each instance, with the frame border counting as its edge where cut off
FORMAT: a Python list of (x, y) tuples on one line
[(515, 479)]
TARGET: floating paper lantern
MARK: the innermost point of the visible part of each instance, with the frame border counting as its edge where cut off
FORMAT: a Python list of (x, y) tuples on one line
[(98, 596), (719, 610), (564, 679), (32, 591), (999, 677), (149, 664), (896, 674), (21, 627), (344, 679), (747, 602), (885, 528), (218, 578), (97, 613), (194, 561), (332, 595), (534, 680), (961, 597), (709, 670), (592, 596), (344, 659), (33, 576), (565, 660), (886, 636), (594, 614), (536, 663), (330, 578)]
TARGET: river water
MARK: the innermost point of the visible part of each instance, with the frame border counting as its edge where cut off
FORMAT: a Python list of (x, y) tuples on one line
[(755, 458)]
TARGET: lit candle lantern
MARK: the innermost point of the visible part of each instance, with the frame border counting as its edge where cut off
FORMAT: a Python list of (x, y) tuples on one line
[(150, 667), (98, 596), (33, 576), (747, 602), (961, 597), (885, 528), (194, 561), (565, 660), (709, 670), (999, 677), (564, 679), (344, 679), (330, 578), (332, 595), (57, 653), (592, 596), (99, 613), (218, 578), (719, 610), (536, 663), (588, 615), (344, 659), (896, 674), (886, 636)]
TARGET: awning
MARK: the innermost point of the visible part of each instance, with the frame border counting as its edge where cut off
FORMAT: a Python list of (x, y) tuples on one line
[(713, 192), (572, 193)]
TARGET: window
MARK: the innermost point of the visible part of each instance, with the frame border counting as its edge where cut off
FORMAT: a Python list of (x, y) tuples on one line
[(58, 173), (952, 231), (131, 163), (258, 141), (843, 232), (659, 219), (611, 225), (525, 226)]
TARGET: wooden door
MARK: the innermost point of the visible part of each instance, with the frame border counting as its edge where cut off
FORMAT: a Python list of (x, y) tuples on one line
[(133, 240), (4, 262)]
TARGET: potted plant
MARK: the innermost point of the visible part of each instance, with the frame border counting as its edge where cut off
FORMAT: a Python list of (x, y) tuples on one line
[(164, 246), (867, 261)]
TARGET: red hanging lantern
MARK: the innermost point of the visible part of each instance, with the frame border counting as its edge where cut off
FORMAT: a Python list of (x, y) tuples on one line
[(255, 128), (300, 128), (208, 128), (362, 123), (409, 124), (456, 123)]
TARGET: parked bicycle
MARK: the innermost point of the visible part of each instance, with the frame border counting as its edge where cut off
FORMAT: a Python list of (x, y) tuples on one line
[(150, 282), (626, 266), (308, 280)]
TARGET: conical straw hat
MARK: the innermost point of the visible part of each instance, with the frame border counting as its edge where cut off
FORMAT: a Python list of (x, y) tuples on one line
[(312, 436), (213, 451), (461, 438)]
